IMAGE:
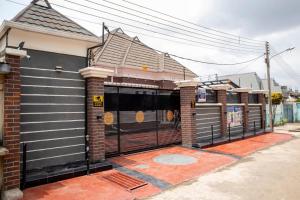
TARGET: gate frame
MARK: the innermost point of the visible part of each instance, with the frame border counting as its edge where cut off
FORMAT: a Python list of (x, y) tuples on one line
[(119, 152)]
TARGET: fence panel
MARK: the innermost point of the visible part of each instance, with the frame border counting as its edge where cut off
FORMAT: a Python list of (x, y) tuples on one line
[(206, 117)]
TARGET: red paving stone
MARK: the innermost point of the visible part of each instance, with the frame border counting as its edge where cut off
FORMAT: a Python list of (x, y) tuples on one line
[(95, 187), (245, 147), (174, 174), (92, 187)]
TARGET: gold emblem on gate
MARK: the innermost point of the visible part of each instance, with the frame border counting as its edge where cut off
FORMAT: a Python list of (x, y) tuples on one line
[(170, 115), (139, 117), (108, 118)]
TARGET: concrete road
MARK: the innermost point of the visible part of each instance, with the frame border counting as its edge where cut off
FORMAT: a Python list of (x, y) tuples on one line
[(269, 174)]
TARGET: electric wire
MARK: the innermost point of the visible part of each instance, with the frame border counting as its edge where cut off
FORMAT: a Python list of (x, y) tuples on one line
[(174, 55), (144, 7), (161, 28), (164, 24), (190, 59), (144, 29)]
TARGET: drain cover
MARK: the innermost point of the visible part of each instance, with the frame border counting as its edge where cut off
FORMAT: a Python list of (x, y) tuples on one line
[(125, 181), (175, 159)]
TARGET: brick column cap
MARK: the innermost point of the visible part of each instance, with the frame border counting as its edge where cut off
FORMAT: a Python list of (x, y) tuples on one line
[(14, 52), (221, 87), (187, 83), (95, 72), (241, 90), (259, 91)]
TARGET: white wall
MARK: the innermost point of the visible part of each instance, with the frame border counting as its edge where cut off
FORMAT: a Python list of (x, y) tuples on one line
[(50, 43)]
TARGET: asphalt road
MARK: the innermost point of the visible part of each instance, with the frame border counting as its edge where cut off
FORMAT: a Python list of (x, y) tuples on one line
[(269, 174)]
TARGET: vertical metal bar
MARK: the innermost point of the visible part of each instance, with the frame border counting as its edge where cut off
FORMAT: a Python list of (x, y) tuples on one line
[(254, 128), (86, 133), (212, 134), (229, 134), (103, 33), (243, 130), (24, 167), (118, 120), (156, 116)]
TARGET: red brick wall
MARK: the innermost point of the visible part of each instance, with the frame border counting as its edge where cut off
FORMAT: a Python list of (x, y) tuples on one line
[(188, 119), (11, 137), (245, 100), (262, 100), (95, 128), (222, 98)]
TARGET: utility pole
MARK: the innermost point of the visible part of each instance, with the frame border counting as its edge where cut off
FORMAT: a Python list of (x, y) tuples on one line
[(267, 60)]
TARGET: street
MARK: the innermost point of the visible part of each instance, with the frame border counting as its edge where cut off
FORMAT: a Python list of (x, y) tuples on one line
[(269, 174)]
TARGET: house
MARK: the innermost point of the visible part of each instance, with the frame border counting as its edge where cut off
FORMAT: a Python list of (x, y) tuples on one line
[(245, 80), (130, 59), (54, 76)]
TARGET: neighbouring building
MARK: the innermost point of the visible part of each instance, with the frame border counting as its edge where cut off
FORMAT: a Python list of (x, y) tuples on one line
[(245, 80)]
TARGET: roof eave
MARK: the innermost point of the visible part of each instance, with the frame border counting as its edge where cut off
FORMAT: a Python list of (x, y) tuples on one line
[(10, 24)]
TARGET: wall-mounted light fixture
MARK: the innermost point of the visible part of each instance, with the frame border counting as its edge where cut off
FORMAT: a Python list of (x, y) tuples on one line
[(59, 68), (4, 68)]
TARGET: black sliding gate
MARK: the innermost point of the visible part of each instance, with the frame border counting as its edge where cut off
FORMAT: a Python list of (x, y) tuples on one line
[(140, 118)]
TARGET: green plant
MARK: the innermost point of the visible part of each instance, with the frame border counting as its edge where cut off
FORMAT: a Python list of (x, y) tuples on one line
[(276, 100), (298, 100)]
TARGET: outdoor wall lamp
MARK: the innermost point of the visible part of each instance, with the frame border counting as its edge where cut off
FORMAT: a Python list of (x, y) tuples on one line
[(59, 68), (4, 68)]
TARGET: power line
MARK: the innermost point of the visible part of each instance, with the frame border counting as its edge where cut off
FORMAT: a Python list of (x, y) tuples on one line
[(135, 4), (151, 36), (190, 59), (165, 29), (286, 67), (180, 57), (164, 24), (141, 28)]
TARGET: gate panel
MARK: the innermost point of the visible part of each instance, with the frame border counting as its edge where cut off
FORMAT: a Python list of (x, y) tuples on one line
[(254, 116), (168, 115), (111, 106), (137, 119), (206, 117), (52, 109)]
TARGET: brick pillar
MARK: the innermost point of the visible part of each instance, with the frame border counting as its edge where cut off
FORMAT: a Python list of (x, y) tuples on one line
[(11, 125), (245, 100), (262, 101), (188, 112), (95, 128), (222, 98)]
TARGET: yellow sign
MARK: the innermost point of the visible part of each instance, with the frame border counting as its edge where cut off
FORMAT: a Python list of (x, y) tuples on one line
[(170, 115), (145, 68), (108, 118), (139, 117), (98, 101)]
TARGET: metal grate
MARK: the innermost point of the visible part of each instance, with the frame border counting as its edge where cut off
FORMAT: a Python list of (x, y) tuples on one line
[(128, 182)]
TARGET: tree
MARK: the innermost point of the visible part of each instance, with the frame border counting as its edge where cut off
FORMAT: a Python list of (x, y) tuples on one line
[(276, 100)]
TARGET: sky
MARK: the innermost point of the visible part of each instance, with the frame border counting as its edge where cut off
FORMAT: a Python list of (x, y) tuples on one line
[(275, 21)]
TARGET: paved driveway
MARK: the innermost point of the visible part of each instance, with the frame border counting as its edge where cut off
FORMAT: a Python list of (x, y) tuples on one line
[(269, 174), (168, 168)]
